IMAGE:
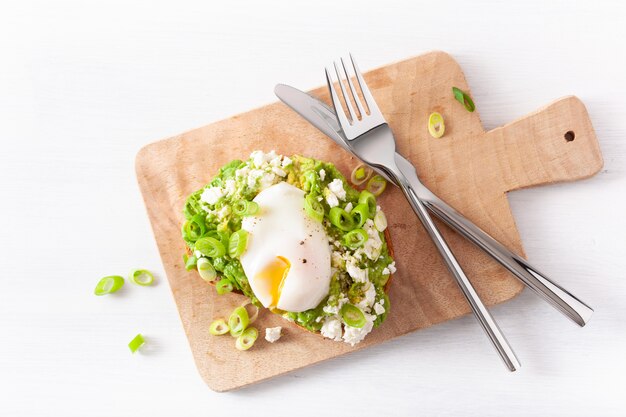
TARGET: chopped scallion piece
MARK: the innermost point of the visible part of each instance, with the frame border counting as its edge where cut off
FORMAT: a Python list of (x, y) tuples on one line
[(352, 316), (355, 239), (223, 286), (238, 321), (237, 243), (219, 327), (380, 221), (254, 316), (142, 277), (247, 339), (464, 99), (206, 270), (109, 285), (360, 174), (360, 214), (190, 262), (376, 185), (341, 219), (245, 208), (137, 342), (436, 126), (368, 198), (194, 228), (210, 246), (313, 208)]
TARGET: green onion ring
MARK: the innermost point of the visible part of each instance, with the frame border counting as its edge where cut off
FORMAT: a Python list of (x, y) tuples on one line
[(368, 198), (194, 228), (313, 207), (219, 327), (355, 239), (352, 316), (237, 243), (436, 126), (210, 246), (246, 340), (141, 277), (376, 185), (190, 262), (360, 174), (245, 208), (341, 219), (238, 321), (463, 98), (360, 214), (206, 270), (380, 221), (137, 342), (254, 316), (223, 286), (109, 285)]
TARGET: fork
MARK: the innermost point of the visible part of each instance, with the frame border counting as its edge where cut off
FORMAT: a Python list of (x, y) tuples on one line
[(370, 138)]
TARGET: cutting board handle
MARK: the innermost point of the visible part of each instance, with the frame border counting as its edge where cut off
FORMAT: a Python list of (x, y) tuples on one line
[(555, 143)]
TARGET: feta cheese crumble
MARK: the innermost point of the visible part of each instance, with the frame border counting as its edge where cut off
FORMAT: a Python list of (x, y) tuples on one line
[(272, 334), (336, 187), (212, 195), (331, 329)]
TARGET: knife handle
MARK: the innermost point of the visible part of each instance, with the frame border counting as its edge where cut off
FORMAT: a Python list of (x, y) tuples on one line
[(483, 316), (561, 299)]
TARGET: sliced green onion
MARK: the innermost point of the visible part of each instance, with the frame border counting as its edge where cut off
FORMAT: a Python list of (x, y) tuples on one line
[(360, 174), (109, 285), (194, 228), (313, 207), (376, 185), (360, 214), (142, 277), (311, 182), (238, 321), (245, 208), (368, 198), (223, 286), (206, 270), (352, 316), (341, 219), (254, 316), (210, 246), (436, 126), (355, 239), (464, 99), (237, 243), (190, 262), (137, 342), (380, 221), (219, 327), (247, 339)]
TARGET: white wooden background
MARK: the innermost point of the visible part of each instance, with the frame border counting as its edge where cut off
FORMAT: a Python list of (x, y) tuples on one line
[(83, 85)]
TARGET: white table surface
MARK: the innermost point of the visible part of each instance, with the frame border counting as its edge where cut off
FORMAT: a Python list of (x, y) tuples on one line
[(84, 85)]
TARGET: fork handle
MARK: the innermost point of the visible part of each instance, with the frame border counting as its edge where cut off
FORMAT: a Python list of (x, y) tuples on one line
[(554, 294), (478, 308)]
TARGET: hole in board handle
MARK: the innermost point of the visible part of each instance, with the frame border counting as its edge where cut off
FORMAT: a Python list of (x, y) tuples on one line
[(569, 136)]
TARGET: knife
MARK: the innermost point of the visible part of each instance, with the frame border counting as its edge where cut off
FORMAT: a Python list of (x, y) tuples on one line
[(324, 119)]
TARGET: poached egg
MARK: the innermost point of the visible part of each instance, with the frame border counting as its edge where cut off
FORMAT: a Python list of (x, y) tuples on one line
[(287, 260)]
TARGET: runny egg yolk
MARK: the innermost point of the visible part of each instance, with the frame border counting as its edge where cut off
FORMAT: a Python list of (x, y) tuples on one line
[(273, 276)]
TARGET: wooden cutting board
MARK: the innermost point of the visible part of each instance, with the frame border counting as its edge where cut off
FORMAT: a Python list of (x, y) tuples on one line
[(469, 168)]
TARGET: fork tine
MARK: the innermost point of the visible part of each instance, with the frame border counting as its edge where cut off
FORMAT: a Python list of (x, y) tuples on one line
[(346, 96), (341, 115), (357, 100), (367, 94)]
